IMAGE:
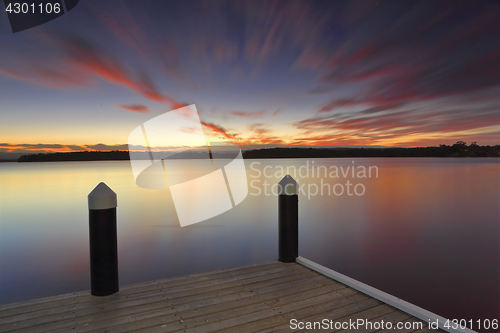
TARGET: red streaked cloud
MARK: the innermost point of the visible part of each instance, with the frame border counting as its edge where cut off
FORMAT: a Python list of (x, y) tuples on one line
[(399, 126), (218, 130), (135, 108), (80, 60), (431, 51), (92, 59), (47, 77), (249, 115)]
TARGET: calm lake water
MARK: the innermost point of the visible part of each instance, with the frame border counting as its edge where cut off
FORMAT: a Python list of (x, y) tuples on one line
[(423, 229)]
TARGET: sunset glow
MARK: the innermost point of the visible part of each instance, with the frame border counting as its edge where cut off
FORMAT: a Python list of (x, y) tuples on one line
[(262, 74)]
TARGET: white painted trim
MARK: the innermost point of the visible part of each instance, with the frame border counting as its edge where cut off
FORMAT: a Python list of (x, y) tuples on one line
[(382, 296)]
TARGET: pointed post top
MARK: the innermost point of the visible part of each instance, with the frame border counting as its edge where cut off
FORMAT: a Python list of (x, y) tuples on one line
[(288, 186), (102, 197)]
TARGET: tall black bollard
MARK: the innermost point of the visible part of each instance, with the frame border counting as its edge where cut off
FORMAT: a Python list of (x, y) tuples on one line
[(103, 241), (288, 220)]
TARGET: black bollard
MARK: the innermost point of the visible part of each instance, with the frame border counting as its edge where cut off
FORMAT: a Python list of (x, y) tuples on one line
[(103, 241), (288, 220)]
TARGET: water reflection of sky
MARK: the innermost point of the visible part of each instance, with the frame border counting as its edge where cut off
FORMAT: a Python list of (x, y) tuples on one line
[(426, 230)]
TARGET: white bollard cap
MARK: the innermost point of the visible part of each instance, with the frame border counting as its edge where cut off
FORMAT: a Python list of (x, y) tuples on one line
[(102, 197), (287, 186)]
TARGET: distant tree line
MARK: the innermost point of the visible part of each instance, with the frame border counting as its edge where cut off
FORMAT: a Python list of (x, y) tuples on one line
[(76, 156), (459, 149)]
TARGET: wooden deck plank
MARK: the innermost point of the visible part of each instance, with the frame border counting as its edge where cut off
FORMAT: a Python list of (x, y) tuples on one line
[(173, 313), (50, 299), (260, 297), (138, 288), (20, 313), (233, 313), (167, 298), (233, 318), (149, 290)]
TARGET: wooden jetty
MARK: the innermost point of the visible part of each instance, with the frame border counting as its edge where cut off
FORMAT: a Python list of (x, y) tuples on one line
[(292, 294), (262, 297)]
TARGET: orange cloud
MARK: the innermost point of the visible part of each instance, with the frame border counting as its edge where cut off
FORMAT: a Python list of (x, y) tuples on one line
[(218, 130), (272, 140), (40, 148)]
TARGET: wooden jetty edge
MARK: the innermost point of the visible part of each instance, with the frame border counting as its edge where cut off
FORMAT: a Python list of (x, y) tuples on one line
[(285, 295)]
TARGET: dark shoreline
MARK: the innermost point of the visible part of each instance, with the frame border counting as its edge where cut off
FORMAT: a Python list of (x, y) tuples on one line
[(459, 149)]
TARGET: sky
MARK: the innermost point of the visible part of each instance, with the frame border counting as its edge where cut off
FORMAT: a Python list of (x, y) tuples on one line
[(261, 73)]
